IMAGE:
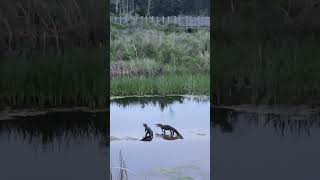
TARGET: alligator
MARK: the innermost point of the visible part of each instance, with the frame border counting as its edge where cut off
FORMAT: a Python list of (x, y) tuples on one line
[(169, 128), (168, 137)]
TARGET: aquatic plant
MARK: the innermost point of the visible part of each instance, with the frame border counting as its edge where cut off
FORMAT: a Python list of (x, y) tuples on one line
[(122, 170)]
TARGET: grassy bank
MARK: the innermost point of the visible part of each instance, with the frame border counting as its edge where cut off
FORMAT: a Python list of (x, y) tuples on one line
[(76, 78), (153, 51), (266, 53), (159, 61), (52, 53), (162, 85), (268, 73)]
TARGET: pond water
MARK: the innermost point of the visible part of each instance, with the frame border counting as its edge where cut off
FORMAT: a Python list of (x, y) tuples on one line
[(265, 146), (57, 145), (187, 158)]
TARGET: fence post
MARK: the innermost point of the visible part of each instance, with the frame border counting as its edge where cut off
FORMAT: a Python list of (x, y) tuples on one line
[(196, 22), (186, 22), (135, 20), (141, 20)]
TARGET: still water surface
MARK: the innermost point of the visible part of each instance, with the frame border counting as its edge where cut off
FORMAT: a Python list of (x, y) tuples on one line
[(265, 146), (187, 158), (60, 145)]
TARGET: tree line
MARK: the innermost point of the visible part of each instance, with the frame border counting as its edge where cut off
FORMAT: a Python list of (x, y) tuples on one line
[(287, 17), (51, 26), (160, 7)]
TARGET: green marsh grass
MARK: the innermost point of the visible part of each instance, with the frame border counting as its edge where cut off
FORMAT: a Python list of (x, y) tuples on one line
[(162, 85), (268, 73), (266, 52), (76, 78), (159, 61), (136, 52), (48, 53)]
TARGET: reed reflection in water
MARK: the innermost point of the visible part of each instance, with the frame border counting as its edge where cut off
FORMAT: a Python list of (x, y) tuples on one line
[(249, 145), (57, 145)]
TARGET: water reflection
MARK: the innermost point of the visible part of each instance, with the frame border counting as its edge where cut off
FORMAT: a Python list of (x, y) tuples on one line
[(264, 146), (56, 145), (226, 119), (162, 102), (58, 126)]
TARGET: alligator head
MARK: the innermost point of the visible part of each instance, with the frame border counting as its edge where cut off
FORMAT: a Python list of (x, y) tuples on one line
[(158, 125)]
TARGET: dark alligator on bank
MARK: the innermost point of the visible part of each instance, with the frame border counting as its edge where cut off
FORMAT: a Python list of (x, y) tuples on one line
[(172, 130)]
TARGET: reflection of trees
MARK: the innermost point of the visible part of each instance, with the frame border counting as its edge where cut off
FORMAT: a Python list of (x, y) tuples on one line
[(285, 124), (59, 127), (162, 102), (222, 118), (290, 124)]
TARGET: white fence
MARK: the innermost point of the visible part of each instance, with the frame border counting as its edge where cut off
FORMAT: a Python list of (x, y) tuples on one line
[(181, 21)]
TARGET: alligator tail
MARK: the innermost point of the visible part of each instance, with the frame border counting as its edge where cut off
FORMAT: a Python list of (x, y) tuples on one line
[(178, 133)]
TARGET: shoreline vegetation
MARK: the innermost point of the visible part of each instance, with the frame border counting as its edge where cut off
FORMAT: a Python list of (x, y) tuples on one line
[(159, 61), (52, 53), (162, 85), (76, 78), (266, 52)]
